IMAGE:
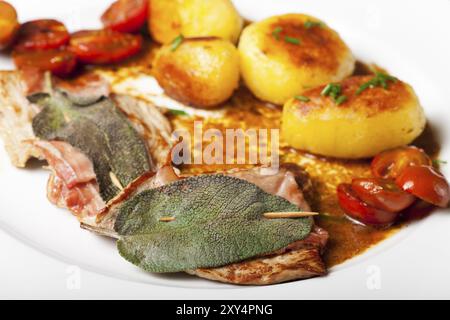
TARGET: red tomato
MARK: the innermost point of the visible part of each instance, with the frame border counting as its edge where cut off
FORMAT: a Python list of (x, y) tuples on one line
[(382, 194), (41, 34), (389, 164), (104, 46), (8, 24), (59, 62), (126, 15), (361, 211), (425, 183)]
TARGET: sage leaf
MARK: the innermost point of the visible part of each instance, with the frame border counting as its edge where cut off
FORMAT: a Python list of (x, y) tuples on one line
[(218, 220), (100, 131)]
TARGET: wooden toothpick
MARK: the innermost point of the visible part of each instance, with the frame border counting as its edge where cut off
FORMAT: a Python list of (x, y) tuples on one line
[(268, 215), (280, 215), (166, 219)]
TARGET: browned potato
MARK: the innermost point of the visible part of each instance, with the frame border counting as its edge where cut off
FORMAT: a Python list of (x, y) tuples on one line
[(193, 18), (202, 72), (361, 126), (8, 24), (285, 55)]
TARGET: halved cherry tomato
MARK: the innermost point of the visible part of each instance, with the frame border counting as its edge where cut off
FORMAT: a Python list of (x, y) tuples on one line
[(425, 183), (389, 164), (104, 46), (59, 62), (126, 15), (8, 24), (382, 194), (361, 211), (42, 34)]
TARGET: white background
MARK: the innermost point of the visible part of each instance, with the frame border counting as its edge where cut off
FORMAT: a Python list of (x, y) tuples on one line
[(45, 255)]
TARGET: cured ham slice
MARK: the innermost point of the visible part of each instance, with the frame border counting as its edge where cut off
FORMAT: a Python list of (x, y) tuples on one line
[(281, 182), (69, 163), (72, 184), (85, 89), (83, 200), (33, 80), (107, 217)]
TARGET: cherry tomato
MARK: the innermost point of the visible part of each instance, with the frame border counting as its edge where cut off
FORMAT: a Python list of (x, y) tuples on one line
[(41, 34), (104, 46), (8, 24), (59, 62), (382, 194), (361, 211), (126, 15), (425, 183), (389, 164)]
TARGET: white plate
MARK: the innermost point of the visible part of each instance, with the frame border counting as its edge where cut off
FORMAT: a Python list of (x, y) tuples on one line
[(45, 254)]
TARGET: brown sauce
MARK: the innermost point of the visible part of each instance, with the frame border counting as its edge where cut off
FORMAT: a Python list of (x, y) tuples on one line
[(244, 111)]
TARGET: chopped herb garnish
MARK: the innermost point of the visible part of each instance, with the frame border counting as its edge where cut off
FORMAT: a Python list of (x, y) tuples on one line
[(326, 91), (276, 32), (177, 42), (334, 90), (380, 80), (177, 112), (292, 40), (302, 98), (311, 24), (438, 162), (340, 100), (364, 86)]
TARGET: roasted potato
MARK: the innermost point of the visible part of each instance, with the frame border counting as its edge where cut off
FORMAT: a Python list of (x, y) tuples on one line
[(284, 55), (9, 24), (361, 126), (193, 18), (202, 72)]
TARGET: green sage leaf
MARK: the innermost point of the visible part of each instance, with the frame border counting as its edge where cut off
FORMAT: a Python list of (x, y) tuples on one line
[(218, 220), (101, 132)]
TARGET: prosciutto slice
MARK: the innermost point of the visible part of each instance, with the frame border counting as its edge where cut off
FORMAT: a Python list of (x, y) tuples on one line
[(106, 218), (282, 183), (83, 199), (85, 89), (72, 184), (69, 163)]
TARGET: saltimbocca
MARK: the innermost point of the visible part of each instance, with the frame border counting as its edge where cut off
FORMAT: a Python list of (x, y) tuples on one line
[(100, 131), (216, 220)]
